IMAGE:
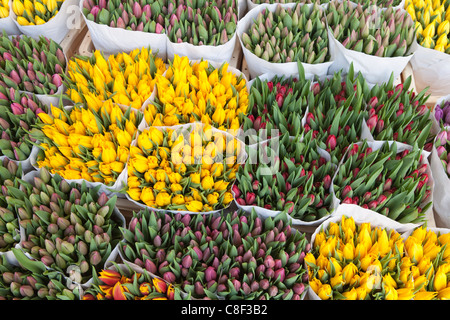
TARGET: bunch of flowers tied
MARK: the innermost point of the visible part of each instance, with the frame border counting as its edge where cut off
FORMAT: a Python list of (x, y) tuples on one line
[(18, 114), (126, 78), (276, 106), (146, 16), (31, 65), (197, 91), (442, 113), (9, 223), (90, 143), (432, 23), (393, 183), (337, 112), (233, 255), (397, 113), (126, 284), (360, 262), (35, 12), (442, 145), (296, 180), (68, 227), (4, 9), (429, 254), (31, 280), (202, 22), (289, 35), (186, 168), (371, 30)]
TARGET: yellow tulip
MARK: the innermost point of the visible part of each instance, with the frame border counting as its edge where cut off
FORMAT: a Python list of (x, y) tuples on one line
[(405, 294), (325, 292), (194, 206), (349, 251), (163, 199), (147, 195), (444, 294), (228, 197), (391, 293), (109, 155), (349, 271), (425, 295), (207, 183), (440, 280), (134, 193), (350, 295)]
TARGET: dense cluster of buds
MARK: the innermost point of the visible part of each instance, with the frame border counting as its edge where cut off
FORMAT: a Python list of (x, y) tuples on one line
[(398, 113), (286, 1), (10, 172), (202, 22), (381, 3), (429, 253), (432, 23), (350, 261), (297, 180), (442, 113), (187, 168), (126, 78), (35, 12), (199, 92), (123, 283), (87, 143), (31, 280), (442, 145), (371, 30), (337, 113), (144, 15), (4, 9), (18, 114), (68, 227), (31, 65), (233, 255), (279, 104), (393, 183), (289, 35)]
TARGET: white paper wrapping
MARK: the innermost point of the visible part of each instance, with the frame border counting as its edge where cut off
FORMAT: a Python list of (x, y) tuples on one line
[(431, 69), (258, 66), (7, 24), (57, 27), (114, 40), (376, 145), (441, 196), (360, 216), (220, 53)]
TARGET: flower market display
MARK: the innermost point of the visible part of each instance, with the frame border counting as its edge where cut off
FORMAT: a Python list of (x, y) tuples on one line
[(224, 150)]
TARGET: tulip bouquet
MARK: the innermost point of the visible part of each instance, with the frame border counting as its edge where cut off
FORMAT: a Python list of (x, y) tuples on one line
[(4, 9), (121, 282), (336, 115), (442, 144), (289, 35), (359, 261), (199, 91), (232, 255), (36, 66), (278, 104), (35, 12), (387, 178), (202, 22), (188, 168), (429, 253), (70, 228), (397, 113), (145, 16), (383, 33), (127, 79), (432, 23), (296, 180), (90, 143), (285, 1), (9, 224), (442, 113), (18, 114), (31, 280)]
